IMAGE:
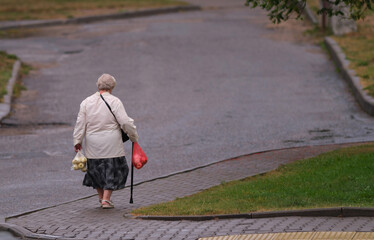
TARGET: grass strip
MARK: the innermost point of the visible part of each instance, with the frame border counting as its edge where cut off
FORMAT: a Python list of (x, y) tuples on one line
[(342, 178), (359, 50), (358, 47), (62, 9), (6, 67), (19, 33), (314, 5), (19, 86)]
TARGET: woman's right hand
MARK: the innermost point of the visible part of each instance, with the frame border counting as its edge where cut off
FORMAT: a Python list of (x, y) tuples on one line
[(77, 147)]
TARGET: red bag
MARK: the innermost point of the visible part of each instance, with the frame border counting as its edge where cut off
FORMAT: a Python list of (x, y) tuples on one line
[(139, 159)]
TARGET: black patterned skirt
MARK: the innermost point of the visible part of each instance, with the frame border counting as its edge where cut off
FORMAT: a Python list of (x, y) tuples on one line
[(106, 173)]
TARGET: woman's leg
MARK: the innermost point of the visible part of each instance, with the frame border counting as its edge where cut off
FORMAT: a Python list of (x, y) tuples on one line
[(100, 191), (107, 195)]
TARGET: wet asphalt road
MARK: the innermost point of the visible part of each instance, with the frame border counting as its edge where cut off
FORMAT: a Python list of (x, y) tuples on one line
[(202, 87)]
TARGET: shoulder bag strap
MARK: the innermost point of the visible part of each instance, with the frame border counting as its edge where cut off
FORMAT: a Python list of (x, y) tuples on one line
[(125, 137), (108, 107)]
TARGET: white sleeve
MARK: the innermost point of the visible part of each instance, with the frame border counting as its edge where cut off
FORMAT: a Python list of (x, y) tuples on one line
[(80, 125), (126, 123)]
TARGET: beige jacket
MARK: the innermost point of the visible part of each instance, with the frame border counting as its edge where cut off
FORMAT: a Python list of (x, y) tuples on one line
[(96, 124)]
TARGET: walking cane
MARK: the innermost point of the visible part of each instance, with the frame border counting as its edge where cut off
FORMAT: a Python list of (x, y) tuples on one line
[(132, 175)]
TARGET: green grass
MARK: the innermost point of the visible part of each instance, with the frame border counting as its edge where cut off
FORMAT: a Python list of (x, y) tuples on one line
[(316, 35), (314, 6), (359, 50), (358, 47), (62, 9), (339, 178), (19, 33), (6, 66), (19, 86)]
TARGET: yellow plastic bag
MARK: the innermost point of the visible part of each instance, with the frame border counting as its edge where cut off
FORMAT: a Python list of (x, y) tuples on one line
[(79, 162)]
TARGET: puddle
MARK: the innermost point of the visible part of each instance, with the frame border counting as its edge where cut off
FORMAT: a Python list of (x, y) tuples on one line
[(7, 236)]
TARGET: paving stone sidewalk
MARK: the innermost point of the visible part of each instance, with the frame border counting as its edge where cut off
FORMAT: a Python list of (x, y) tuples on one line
[(83, 219)]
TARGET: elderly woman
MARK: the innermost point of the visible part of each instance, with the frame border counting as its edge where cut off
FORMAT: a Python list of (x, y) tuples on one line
[(107, 169)]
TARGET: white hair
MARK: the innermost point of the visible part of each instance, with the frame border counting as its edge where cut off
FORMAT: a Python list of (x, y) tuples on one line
[(106, 82)]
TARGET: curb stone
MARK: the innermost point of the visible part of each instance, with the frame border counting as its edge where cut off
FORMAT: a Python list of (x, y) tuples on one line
[(316, 212), (5, 106), (89, 19), (365, 101)]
